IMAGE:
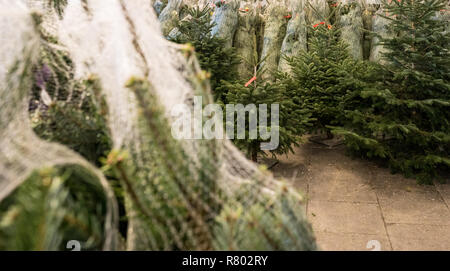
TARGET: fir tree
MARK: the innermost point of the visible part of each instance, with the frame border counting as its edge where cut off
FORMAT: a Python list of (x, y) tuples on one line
[(321, 76), (405, 120), (65, 110), (81, 128), (52, 207), (214, 58), (293, 120)]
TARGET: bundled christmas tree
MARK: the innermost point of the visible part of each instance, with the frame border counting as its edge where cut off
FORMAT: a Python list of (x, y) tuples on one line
[(405, 121), (321, 76), (64, 109), (179, 194), (54, 206), (214, 57), (64, 203)]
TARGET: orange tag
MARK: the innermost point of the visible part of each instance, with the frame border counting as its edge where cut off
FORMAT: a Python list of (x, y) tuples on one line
[(250, 81)]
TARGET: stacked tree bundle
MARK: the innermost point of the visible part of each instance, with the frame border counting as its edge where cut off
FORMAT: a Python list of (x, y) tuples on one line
[(296, 34), (266, 32), (274, 33), (349, 19), (245, 39)]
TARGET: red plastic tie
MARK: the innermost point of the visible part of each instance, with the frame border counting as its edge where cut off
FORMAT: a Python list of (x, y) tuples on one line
[(250, 81)]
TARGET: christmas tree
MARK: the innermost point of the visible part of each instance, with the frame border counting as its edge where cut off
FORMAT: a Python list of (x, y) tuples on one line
[(62, 203), (64, 109), (213, 56), (292, 120), (404, 120), (66, 202), (320, 76)]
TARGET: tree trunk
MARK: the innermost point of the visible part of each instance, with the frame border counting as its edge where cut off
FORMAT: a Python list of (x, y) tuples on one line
[(255, 156), (253, 152)]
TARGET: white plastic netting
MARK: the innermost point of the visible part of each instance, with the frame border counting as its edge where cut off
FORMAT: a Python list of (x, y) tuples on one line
[(188, 194), (21, 151)]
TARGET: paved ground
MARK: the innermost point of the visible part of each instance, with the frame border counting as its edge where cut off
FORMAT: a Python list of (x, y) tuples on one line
[(351, 202)]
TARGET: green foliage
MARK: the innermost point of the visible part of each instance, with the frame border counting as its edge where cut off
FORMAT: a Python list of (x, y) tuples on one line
[(405, 119), (321, 76), (172, 196), (81, 128), (293, 120), (70, 112), (213, 57), (74, 115), (52, 207), (178, 204), (243, 227)]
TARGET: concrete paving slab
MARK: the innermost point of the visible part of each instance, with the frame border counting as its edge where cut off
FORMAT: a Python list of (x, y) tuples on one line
[(444, 190), (345, 217), (292, 167), (352, 241), (341, 185), (419, 237), (352, 201), (404, 201), (333, 176)]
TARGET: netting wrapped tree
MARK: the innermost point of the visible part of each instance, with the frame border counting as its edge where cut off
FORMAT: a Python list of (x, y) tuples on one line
[(317, 11), (178, 194), (245, 40), (44, 171), (170, 15), (445, 13), (296, 34), (225, 18), (274, 33), (351, 23), (380, 30), (369, 7)]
